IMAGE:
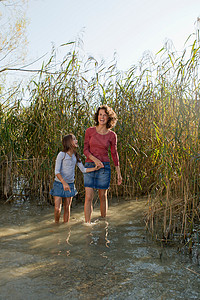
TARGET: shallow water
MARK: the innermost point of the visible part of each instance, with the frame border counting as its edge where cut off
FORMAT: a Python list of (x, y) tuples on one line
[(109, 259)]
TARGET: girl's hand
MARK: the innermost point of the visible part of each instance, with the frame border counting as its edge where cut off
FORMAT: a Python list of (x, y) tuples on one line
[(98, 167), (66, 187)]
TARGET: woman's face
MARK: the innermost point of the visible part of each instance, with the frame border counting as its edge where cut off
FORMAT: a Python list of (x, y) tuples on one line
[(102, 117), (74, 142)]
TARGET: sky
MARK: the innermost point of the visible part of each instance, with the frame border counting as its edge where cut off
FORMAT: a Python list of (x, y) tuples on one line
[(124, 28)]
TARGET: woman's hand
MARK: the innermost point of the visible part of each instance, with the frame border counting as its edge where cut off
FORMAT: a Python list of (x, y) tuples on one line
[(119, 176), (98, 163), (119, 179), (98, 167)]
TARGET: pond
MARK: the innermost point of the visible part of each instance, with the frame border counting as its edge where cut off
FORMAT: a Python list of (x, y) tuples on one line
[(112, 258)]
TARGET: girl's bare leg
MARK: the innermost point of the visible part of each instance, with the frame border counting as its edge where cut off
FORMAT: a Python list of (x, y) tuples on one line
[(57, 208), (89, 195), (103, 202), (67, 208)]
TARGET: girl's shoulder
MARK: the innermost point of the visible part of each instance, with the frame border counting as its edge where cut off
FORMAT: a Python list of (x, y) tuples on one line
[(61, 155)]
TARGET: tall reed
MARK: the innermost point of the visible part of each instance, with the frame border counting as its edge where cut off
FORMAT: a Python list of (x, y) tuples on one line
[(157, 103)]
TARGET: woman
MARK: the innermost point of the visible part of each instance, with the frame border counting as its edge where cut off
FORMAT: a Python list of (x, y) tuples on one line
[(98, 139)]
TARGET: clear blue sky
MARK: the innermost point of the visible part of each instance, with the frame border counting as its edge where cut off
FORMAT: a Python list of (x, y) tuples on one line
[(129, 27)]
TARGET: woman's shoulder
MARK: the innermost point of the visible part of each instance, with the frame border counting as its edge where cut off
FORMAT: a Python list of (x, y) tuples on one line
[(112, 136), (91, 130), (112, 133)]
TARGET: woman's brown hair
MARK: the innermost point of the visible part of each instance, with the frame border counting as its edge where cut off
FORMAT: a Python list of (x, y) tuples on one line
[(112, 117), (67, 145)]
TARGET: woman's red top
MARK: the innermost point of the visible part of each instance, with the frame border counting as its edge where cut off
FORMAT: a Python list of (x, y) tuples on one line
[(98, 144)]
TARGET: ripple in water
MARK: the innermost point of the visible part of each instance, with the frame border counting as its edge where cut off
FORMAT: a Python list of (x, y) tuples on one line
[(111, 258)]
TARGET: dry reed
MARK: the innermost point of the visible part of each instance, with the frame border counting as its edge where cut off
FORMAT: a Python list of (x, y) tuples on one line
[(158, 130)]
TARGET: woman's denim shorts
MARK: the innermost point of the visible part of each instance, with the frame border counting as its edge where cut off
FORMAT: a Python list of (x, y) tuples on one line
[(99, 179), (58, 190)]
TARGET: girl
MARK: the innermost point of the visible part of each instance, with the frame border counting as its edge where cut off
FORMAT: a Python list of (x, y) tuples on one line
[(63, 186)]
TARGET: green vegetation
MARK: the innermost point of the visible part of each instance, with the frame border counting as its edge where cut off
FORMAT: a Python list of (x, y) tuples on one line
[(158, 130)]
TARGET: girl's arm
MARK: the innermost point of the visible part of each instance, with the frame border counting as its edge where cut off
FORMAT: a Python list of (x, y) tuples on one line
[(93, 169), (65, 184), (87, 170), (58, 166)]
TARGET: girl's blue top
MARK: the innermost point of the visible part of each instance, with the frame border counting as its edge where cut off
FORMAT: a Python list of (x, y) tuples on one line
[(65, 165)]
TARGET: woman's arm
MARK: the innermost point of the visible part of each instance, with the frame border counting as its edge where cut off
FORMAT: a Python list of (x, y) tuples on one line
[(113, 149), (115, 157), (119, 176), (97, 162)]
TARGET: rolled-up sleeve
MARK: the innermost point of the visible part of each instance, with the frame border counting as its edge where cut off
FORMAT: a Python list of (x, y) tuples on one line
[(81, 167), (58, 163), (86, 149), (113, 148)]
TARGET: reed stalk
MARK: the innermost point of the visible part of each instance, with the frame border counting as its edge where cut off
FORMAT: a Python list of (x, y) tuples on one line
[(158, 129)]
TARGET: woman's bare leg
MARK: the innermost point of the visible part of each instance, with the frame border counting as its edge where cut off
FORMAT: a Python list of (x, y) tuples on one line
[(89, 195), (67, 208), (57, 208), (103, 202)]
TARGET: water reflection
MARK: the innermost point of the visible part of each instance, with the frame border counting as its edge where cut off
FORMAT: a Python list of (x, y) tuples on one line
[(109, 259)]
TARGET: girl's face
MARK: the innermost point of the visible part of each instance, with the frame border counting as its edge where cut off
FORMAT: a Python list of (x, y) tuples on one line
[(102, 117), (74, 142)]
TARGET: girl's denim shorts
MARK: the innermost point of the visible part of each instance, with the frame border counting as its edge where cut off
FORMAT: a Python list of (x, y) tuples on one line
[(99, 179), (58, 190)]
